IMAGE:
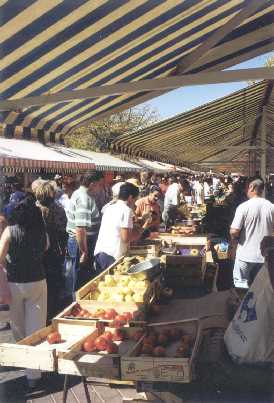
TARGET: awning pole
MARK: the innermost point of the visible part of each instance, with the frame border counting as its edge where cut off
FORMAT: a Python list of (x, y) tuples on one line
[(263, 146)]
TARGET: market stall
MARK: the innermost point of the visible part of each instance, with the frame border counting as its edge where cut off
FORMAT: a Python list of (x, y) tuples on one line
[(128, 327)]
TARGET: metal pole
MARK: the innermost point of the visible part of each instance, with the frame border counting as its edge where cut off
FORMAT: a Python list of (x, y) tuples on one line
[(263, 146)]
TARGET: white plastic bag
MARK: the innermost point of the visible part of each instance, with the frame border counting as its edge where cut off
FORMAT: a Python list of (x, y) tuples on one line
[(5, 294), (250, 336)]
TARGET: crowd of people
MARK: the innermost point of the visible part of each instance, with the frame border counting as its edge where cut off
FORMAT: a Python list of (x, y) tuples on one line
[(60, 233)]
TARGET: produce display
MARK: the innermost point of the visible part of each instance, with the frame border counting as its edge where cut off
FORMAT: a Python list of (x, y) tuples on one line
[(116, 319), (108, 342), (166, 343), (184, 230), (118, 288)]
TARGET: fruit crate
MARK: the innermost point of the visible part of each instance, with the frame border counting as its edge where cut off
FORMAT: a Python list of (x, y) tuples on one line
[(148, 250), (35, 352), (72, 313), (185, 266), (166, 368), (90, 291), (99, 364)]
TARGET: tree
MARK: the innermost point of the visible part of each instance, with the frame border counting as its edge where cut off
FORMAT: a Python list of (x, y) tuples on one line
[(99, 134), (268, 63)]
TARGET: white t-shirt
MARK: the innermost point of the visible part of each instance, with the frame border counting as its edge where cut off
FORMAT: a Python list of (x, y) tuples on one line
[(255, 220), (172, 195), (115, 217)]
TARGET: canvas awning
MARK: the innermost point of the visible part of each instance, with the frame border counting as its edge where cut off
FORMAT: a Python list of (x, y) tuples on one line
[(51, 48), (216, 134), (21, 155)]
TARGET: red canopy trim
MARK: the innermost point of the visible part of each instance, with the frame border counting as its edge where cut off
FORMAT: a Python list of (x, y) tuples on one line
[(20, 164)]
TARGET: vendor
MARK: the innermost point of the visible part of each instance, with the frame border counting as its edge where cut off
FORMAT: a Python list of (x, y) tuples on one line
[(148, 207), (117, 231)]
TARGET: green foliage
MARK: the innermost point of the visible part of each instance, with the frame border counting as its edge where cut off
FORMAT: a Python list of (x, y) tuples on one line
[(268, 63), (99, 134)]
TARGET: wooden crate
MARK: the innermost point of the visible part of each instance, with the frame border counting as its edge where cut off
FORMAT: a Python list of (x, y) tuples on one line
[(85, 293), (36, 353), (165, 369), (182, 240), (96, 365), (185, 266), (91, 306), (148, 251)]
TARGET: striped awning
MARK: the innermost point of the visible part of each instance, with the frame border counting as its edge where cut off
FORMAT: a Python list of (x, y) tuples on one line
[(21, 155), (220, 131), (52, 46)]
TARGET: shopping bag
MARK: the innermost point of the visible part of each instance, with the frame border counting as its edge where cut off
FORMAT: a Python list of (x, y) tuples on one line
[(250, 336), (5, 294)]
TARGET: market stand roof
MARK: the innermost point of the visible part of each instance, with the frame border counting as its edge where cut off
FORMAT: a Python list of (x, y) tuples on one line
[(20, 155), (218, 132), (50, 48)]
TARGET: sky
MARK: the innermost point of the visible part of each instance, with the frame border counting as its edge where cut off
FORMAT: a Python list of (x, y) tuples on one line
[(186, 98)]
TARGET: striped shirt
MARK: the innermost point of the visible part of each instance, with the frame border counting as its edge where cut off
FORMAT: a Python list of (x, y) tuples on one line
[(82, 212)]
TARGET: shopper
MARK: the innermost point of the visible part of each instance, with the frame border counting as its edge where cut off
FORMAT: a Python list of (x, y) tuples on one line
[(252, 222), (115, 193), (22, 248), (172, 201), (55, 221), (82, 227), (116, 229)]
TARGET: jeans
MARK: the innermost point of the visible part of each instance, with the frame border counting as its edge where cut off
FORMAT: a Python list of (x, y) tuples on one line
[(244, 273), (71, 267)]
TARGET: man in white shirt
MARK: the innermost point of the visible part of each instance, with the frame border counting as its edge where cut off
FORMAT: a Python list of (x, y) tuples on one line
[(252, 222), (172, 201), (116, 229)]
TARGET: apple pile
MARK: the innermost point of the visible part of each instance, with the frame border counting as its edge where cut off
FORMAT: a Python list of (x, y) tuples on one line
[(117, 320), (155, 344), (106, 341)]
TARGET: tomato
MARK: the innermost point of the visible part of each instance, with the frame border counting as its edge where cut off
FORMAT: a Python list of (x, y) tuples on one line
[(137, 335), (147, 349), (82, 312), (108, 336), (128, 316), (110, 314), (112, 348), (159, 351), (162, 339), (89, 345), (122, 319), (101, 343), (117, 323), (118, 335), (53, 338)]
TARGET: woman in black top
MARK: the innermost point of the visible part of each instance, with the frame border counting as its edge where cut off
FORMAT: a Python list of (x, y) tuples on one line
[(22, 248)]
